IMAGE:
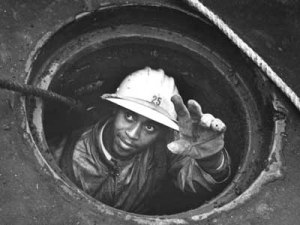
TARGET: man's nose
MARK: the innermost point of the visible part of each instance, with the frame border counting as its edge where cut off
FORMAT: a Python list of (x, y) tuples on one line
[(134, 131)]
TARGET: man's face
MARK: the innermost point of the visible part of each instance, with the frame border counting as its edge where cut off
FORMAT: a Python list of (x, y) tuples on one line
[(133, 133)]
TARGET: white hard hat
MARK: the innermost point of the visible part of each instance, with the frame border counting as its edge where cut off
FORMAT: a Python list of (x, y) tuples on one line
[(148, 92)]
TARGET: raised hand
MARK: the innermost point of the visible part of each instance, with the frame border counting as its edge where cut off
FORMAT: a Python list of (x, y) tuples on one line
[(200, 135)]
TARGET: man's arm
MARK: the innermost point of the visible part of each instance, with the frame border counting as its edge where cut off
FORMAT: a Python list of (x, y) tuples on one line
[(218, 166), (201, 138)]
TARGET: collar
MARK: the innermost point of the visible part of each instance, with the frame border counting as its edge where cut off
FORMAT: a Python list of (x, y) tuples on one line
[(106, 153), (111, 160)]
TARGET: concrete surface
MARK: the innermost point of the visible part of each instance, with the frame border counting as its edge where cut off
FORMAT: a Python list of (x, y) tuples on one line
[(29, 196)]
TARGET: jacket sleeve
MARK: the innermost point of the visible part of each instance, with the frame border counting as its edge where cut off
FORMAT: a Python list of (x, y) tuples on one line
[(72, 144), (188, 175)]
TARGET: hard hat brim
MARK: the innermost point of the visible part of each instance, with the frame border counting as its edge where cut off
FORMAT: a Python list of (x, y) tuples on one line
[(143, 108)]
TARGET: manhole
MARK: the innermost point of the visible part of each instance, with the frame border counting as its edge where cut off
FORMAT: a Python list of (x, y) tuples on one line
[(104, 46)]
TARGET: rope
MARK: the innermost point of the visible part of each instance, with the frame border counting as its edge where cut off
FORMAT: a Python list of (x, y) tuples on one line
[(31, 90), (247, 50)]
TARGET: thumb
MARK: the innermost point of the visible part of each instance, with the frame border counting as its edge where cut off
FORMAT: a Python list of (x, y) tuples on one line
[(178, 146)]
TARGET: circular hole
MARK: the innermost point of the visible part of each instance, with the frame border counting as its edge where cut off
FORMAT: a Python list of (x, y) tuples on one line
[(101, 48)]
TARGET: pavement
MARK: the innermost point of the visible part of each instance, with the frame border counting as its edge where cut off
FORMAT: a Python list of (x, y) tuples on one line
[(29, 195)]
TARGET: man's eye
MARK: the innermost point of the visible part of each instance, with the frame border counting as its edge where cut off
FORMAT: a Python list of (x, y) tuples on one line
[(150, 128), (129, 116)]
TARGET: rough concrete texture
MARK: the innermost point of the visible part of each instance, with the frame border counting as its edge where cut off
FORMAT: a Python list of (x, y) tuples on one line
[(30, 196)]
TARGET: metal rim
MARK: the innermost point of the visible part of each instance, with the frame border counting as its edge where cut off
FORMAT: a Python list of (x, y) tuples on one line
[(37, 140)]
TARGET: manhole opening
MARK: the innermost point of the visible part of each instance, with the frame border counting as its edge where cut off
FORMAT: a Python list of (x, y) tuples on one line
[(111, 43)]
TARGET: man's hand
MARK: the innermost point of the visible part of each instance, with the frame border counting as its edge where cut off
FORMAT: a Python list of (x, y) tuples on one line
[(200, 135)]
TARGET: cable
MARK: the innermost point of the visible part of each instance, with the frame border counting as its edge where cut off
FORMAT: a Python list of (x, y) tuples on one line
[(247, 50), (45, 94)]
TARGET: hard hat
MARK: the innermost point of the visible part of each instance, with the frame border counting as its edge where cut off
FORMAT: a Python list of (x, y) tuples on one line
[(148, 92)]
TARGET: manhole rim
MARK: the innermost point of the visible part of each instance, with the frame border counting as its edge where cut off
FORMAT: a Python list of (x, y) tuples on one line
[(74, 191)]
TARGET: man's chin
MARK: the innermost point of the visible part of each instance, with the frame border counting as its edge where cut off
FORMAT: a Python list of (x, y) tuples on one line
[(121, 153)]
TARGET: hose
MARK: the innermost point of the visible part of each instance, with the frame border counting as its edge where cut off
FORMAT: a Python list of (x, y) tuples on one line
[(38, 92)]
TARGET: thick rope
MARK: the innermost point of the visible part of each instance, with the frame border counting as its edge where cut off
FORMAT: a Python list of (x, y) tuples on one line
[(247, 50), (30, 90), (45, 94)]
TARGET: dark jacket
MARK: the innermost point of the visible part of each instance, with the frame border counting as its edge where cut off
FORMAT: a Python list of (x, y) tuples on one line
[(128, 185)]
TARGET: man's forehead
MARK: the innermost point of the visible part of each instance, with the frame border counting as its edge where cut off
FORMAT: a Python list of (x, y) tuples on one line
[(141, 117)]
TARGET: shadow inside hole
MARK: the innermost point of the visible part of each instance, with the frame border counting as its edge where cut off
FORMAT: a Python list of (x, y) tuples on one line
[(109, 44), (194, 79)]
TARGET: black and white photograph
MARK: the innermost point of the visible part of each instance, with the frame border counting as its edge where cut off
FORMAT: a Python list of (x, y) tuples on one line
[(139, 112)]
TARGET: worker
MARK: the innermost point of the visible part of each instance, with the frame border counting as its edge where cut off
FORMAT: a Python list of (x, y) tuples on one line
[(123, 159)]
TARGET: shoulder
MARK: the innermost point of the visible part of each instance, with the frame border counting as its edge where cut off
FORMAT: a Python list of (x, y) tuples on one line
[(87, 141), (86, 137)]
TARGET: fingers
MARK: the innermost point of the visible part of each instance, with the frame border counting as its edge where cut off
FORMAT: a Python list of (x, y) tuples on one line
[(218, 125), (183, 116), (180, 108), (179, 146), (206, 120), (195, 110), (209, 121)]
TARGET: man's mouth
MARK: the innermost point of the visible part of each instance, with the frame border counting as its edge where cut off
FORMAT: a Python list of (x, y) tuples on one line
[(125, 144)]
